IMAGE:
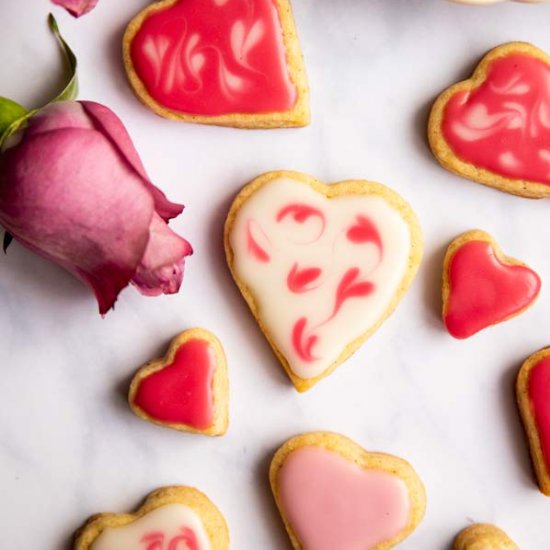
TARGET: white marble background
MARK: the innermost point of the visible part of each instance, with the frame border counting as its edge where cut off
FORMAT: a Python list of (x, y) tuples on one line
[(69, 445)]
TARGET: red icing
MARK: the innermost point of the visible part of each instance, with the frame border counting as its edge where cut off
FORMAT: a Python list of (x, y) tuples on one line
[(484, 291), (364, 231), (299, 280), (504, 124), (300, 213), (253, 247), (539, 394), (214, 57), (181, 393), (349, 287), (303, 344), (187, 540)]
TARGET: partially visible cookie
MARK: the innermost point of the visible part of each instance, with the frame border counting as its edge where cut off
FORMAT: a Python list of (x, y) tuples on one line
[(225, 62), (333, 494), (483, 287), (533, 396), (483, 536), (484, 2), (171, 517), (187, 389), (494, 128), (320, 266)]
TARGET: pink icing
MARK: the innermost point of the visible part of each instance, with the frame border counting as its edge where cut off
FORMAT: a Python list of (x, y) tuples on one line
[(215, 57), (332, 503), (504, 124), (299, 279)]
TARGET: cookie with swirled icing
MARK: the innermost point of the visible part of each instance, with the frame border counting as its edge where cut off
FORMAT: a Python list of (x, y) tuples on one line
[(224, 62)]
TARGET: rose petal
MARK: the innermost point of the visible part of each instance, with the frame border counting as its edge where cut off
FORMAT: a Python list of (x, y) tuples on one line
[(161, 268), (76, 7), (111, 126)]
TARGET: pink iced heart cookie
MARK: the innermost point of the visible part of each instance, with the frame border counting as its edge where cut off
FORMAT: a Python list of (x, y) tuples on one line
[(494, 128), (320, 266), (187, 389), (170, 518), (226, 62), (331, 494)]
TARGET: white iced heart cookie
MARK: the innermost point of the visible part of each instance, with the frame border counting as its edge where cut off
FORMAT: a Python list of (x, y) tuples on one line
[(320, 266), (170, 518)]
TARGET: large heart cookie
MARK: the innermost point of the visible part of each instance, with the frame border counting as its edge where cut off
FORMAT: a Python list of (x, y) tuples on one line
[(494, 128), (188, 388), (170, 518), (481, 286), (226, 62), (332, 494), (533, 396), (483, 536), (321, 266)]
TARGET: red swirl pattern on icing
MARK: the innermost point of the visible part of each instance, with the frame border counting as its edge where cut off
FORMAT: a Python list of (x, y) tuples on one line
[(484, 291), (157, 540), (215, 57), (504, 125), (539, 395), (300, 280)]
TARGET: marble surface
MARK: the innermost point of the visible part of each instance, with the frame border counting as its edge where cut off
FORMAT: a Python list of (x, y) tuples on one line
[(69, 445)]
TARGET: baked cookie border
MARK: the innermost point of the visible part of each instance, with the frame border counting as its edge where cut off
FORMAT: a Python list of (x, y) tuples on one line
[(220, 383), (338, 189), (527, 416), (212, 519), (442, 150), (297, 116), (367, 460)]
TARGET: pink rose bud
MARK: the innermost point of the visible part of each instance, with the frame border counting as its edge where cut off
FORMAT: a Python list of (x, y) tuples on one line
[(73, 189), (76, 7)]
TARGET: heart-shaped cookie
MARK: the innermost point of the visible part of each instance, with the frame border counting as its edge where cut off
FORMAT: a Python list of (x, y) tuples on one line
[(188, 388), (481, 286), (331, 493), (533, 396), (225, 62), (170, 518), (494, 128), (320, 266), (483, 536)]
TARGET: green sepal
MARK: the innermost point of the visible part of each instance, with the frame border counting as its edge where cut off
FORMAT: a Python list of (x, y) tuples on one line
[(7, 241), (9, 113), (71, 89)]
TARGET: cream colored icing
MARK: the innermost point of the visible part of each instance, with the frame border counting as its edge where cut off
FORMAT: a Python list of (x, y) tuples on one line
[(269, 252), (162, 529)]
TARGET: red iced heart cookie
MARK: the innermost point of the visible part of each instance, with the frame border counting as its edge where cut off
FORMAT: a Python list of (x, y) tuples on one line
[(533, 396), (226, 62), (332, 494), (187, 389), (495, 127), (481, 286)]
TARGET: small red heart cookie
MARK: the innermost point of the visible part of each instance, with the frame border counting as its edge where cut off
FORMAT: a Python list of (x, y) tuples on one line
[(483, 536), (332, 494), (225, 62), (533, 396), (188, 388), (494, 128), (170, 518), (481, 286), (320, 266)]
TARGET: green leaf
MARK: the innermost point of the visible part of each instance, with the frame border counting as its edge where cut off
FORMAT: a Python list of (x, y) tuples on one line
[(9, 113), (7, 241), (71, 89)]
